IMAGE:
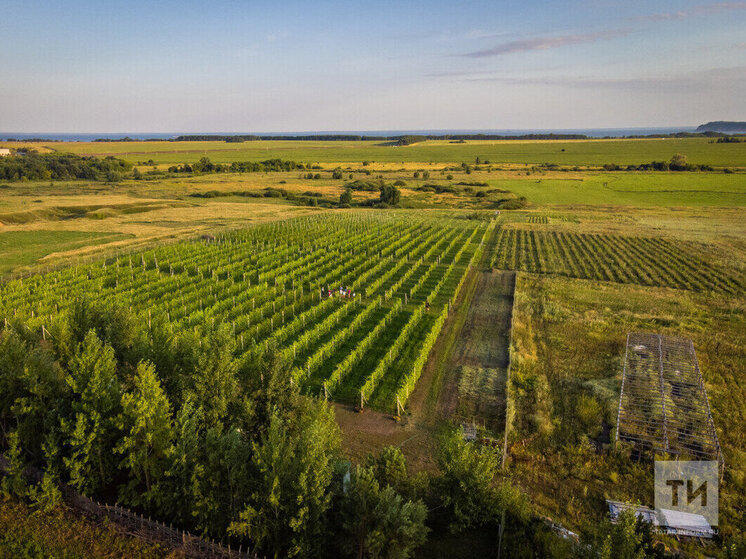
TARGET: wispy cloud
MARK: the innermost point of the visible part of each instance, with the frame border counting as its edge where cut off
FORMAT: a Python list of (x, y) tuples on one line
[(734, 76), (545, 43), (702, 10)]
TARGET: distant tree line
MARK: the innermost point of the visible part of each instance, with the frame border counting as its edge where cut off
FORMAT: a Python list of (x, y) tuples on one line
[(204, 165), (678, 162), (33, 166), (403, 139)]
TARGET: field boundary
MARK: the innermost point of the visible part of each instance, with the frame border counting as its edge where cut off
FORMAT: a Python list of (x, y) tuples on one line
[(508, 399)]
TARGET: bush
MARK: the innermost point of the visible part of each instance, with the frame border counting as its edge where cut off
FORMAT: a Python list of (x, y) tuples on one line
[(346, 198), (390, 195), (513, 204)]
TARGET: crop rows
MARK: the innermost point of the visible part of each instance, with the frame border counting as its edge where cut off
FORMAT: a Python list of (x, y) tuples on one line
[(639, 260), (538, 219), (270, 285)]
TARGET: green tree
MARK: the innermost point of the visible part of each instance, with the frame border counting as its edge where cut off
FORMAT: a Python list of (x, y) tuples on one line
[(221, 479), (377, 521), (184, 458), (46, 495), (114, 324), (346, 197), (390, 468), (469, 489), (13, 483), (214, 381), (628, 538), (148, 433), (293, 461), (267, 380), (679, 162), (13, 352), (390, 195), (91, 431)]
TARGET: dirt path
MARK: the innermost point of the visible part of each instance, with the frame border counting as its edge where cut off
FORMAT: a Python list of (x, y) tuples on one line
[(371, 431), (474, 383)]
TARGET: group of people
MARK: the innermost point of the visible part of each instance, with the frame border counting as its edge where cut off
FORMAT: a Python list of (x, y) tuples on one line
[(344, 292)]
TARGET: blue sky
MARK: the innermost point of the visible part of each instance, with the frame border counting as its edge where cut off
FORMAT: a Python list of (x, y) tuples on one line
[(137, 66)]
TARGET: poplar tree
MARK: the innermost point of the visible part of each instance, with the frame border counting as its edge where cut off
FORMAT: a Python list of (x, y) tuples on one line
[(148, 434), (286, 511), (91, 432), (377, 521)]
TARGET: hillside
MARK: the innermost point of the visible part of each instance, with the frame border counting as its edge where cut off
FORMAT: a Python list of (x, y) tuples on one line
[(725, 126)]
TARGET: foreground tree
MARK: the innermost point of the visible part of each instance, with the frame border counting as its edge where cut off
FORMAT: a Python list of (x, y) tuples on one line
[(378, 522), (628, 538), (148, 433), (214, 385), (92, 432), (470, 491), (293, 463)]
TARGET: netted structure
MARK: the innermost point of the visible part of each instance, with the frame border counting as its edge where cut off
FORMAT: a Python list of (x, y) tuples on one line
[(663, 405)]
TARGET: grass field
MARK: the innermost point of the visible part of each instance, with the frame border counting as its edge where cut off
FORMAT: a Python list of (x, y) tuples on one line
[(569, 338), (22, 248), (32, 534), (563, 152)]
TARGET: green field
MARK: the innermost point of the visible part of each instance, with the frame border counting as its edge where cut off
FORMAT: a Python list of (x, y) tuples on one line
[(22, 248), (562, 152), (633, 189)]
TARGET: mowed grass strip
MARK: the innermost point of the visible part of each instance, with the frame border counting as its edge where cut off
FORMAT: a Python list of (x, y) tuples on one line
[(617, 258), (23, 248)]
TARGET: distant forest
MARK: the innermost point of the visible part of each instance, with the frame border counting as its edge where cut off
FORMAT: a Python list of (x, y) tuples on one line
[(32, 166)]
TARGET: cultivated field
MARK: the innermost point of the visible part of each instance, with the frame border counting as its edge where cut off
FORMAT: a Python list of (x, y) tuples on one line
[(432, 331), (280, 284), (563, 152)]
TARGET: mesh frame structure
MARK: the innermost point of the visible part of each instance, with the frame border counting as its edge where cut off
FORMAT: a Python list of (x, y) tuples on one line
[(663, 405)]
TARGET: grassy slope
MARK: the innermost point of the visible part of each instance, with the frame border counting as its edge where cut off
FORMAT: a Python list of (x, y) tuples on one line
[(64, 535)]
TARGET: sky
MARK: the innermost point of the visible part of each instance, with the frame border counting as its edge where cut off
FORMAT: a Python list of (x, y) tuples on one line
[(255, 66)]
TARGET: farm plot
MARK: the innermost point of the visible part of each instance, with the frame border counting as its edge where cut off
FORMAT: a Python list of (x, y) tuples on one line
[(354, 301), (622, 259)]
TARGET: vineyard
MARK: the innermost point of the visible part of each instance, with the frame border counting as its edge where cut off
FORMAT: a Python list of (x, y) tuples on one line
[(279, 284), (647, 261)]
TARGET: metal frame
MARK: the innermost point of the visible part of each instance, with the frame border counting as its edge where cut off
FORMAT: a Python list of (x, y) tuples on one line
[(663, 405)]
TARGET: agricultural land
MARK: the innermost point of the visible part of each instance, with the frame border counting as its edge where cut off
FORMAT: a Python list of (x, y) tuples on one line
[(264, 316)]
